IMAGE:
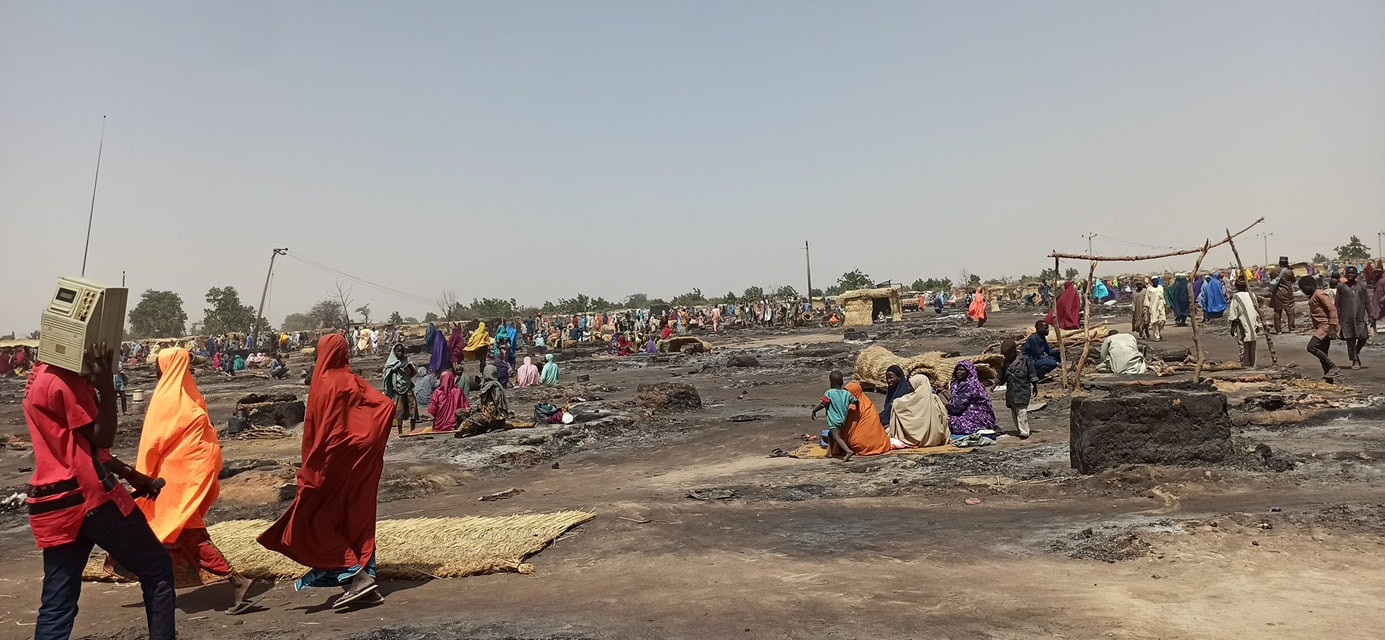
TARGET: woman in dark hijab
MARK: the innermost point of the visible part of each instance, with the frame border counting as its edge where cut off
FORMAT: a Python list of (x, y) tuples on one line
[(898, 388)]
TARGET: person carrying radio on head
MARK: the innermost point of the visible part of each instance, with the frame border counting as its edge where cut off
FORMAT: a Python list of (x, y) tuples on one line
[(75, 501)]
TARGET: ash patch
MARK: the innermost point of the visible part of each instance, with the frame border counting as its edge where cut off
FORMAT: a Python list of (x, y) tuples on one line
[(1111, 547)]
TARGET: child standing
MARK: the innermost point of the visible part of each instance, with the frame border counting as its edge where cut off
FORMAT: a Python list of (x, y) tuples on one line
[(1020, 377), (837, 401)]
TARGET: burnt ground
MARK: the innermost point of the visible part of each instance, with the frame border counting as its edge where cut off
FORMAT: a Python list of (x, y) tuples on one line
[(885, 547)]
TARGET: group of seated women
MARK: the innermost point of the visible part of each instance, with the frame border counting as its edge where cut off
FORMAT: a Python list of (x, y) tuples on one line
[(914, 415)]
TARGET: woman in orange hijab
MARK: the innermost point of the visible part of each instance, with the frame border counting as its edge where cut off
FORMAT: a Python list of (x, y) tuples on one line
[(977, 309), (179, 445), (330, 526), (864, 433)]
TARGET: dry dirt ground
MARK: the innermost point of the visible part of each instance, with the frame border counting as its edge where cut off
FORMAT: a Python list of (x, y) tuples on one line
[(885, 547)]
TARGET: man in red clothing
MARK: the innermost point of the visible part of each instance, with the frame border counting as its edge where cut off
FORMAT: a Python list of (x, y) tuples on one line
[(75, 501)]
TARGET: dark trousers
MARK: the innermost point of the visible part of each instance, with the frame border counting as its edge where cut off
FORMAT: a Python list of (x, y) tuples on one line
[(132, 544), (1319, 347), (1044, 365), (1354, 346), (124, 400)]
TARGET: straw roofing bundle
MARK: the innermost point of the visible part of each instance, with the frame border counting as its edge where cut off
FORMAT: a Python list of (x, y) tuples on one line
[(872, 363), (406, 549)]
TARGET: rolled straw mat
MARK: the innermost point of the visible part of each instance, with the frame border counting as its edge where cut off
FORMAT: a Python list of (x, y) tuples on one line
[(407, 549)]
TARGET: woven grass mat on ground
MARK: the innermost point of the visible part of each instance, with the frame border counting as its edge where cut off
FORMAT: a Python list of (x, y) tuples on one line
[(812, 450), (410, 548)]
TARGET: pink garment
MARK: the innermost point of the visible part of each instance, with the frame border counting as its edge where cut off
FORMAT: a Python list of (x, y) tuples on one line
[(528, 373), (446, 400)]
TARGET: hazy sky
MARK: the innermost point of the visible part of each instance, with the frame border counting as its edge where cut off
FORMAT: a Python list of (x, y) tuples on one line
[(536, 150)]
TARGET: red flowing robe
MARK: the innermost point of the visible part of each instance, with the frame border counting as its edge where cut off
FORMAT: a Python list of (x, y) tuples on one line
[(1069, 308), (331, 523)]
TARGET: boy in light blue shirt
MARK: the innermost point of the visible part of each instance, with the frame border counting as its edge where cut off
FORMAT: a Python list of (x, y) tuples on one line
[(837, 402)]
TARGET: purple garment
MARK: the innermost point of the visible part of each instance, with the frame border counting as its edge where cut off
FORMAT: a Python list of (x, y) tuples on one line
[(441, 360), (1197, 287), (969, 409)]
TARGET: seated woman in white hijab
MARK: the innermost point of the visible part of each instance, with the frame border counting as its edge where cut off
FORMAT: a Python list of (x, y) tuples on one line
[(918, 419)]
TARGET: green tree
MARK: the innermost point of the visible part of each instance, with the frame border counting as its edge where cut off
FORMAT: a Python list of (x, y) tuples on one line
[(787, 292), (410, 320), (854, 279), (431, 317), (326, 314), (816, 293), (299, 322), (636, 301), (492, 307), (226, 312), (1319, 257), (753, 293), (1048, 275), (159, 314), (973, 281), (395, 318), (691, 298), (34, 335), (364, 310), (1353, 250), (729, 298), (1070, 274)]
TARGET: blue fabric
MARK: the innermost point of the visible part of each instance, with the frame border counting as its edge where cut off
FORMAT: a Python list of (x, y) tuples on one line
[(441, 359), (332, 577), (1213, 298), (132, 544), (1036, 348), (838, 404), (902, 389)]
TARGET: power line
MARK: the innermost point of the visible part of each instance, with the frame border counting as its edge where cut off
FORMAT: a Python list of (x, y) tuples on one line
[(357, 279)]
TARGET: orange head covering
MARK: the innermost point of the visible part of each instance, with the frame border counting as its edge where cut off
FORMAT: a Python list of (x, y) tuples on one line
[(864, 433), (178, 444), (331, 523), (977, 309)]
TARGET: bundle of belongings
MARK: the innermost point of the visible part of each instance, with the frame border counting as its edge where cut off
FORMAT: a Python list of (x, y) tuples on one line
[(872, 363)]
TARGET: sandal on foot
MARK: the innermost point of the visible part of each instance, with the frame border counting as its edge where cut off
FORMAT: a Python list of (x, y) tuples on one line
[(352, 596)]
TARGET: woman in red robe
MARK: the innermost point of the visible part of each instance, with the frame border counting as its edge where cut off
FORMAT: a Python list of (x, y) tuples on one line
[(1069, 309), (330, 526)]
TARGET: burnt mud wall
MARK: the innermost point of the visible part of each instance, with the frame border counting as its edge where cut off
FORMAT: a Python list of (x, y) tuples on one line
[(1167, 427)]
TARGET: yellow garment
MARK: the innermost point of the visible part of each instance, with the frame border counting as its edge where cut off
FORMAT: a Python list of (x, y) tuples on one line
[(479, 338), (179, 445)]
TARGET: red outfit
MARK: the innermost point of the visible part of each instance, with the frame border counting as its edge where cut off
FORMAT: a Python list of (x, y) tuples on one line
[(66, 481), (331, 523), (1069, 308)]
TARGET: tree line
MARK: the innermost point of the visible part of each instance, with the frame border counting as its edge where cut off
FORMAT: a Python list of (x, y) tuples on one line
[(161, 314)]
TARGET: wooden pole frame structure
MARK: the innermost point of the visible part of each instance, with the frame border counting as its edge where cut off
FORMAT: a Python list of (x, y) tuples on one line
[(1201, 252), (1053, 311), (1192, 316), (1241, 269)]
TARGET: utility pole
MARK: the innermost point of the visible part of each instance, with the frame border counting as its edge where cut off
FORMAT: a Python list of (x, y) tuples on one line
[(1089, 237), (122, 277), (259, 311), (1378, 252), (95, 181), (809, 260), (1266, 238)]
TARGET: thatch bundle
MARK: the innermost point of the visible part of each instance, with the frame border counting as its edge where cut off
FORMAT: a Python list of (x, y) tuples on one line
[(676, 344), (872, 363), (407, 549), (1075, 336)]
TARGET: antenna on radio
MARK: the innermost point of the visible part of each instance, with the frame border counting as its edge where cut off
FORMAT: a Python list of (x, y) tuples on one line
[(94, 182)]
